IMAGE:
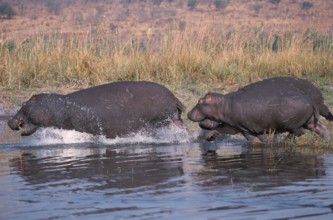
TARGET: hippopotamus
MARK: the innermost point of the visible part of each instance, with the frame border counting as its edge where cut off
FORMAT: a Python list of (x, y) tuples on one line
[(113, 110), (279, 104)]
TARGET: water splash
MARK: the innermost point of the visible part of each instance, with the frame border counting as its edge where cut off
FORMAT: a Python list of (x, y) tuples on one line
[(51, 136), (165, 135)]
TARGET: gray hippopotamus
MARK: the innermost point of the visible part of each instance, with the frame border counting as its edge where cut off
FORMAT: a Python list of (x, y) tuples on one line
[(279, 104), (114, 109)]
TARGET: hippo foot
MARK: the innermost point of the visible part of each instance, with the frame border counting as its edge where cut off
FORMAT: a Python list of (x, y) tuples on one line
[(251, 138), (210, 153), (320, 129), (212, 135)]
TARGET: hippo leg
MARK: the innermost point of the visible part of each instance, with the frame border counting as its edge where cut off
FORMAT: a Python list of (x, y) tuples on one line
[(319, 128), (295, 133), (212, 135), (178, 122), (251, 138)]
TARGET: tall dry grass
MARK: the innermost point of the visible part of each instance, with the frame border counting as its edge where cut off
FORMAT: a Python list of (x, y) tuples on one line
[(176, 58)]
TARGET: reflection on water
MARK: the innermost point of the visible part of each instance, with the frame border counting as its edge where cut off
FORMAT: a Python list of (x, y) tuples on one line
[(179, 181), (58, 174), (103, 168), (5, 133)]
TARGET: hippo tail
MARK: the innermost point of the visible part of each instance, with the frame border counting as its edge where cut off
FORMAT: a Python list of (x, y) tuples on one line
[(180, 106), (325, 112), (177, 119)]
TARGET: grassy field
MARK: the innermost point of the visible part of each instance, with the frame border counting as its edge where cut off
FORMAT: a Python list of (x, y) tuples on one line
[(178, 59), (190, 62)]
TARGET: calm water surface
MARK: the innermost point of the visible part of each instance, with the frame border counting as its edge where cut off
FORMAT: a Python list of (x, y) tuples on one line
[(47, 177)]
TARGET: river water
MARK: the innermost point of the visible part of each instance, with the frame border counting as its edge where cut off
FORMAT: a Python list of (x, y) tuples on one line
[(58, 174)]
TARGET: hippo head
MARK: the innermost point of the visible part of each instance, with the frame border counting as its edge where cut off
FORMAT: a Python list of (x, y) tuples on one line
[(32, 115), (207, 108)]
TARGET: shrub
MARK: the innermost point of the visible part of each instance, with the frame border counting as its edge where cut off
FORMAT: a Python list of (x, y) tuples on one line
[(275, 1), (6, 11), (10, 46), (157, 2), (221, 4), (182, 25), (306, 5), (257, 7), (192, 3), (53, 6)]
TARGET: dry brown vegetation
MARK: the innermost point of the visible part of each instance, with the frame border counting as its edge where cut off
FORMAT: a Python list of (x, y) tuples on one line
[(87, 42), (133, 18), (182, 58)]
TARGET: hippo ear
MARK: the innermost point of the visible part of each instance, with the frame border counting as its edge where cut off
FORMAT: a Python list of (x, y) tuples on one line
[(33, 98), (209, 98)]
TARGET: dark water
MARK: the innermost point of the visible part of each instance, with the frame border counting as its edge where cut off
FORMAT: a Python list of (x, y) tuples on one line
[(44, 178)]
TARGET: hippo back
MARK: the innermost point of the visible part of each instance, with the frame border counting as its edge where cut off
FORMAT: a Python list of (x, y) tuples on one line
[(128, 106), (282, 84)]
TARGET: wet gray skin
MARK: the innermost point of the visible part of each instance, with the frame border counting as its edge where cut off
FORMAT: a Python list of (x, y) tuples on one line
[(114, 110), (22, 123), (54, 110), (37, 112)]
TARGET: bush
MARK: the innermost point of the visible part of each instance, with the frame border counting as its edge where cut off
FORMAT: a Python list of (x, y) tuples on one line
[(221, 4), (257, 7), (306, 5), (157, 2), (182, 25), (275, 1), (192, 3), (6, 10), (10, 46), (53, 6)]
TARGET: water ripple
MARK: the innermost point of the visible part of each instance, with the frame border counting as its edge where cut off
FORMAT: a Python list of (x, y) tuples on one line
[(179, 181)]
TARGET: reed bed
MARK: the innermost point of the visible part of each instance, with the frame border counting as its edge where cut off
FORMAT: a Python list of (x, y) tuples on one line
[(175, 58)]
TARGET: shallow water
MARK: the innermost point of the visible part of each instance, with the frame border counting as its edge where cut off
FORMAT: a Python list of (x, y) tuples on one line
[(61, 174)]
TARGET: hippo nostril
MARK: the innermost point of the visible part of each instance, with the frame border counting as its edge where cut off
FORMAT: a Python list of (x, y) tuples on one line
[(20, 123)]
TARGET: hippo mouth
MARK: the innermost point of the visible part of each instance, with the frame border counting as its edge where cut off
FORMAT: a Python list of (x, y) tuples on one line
[(24, 126), (196, 115), (26, 131), (209, 124)]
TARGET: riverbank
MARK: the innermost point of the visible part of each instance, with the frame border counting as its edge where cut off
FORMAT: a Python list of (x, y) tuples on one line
[(11, 100)]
